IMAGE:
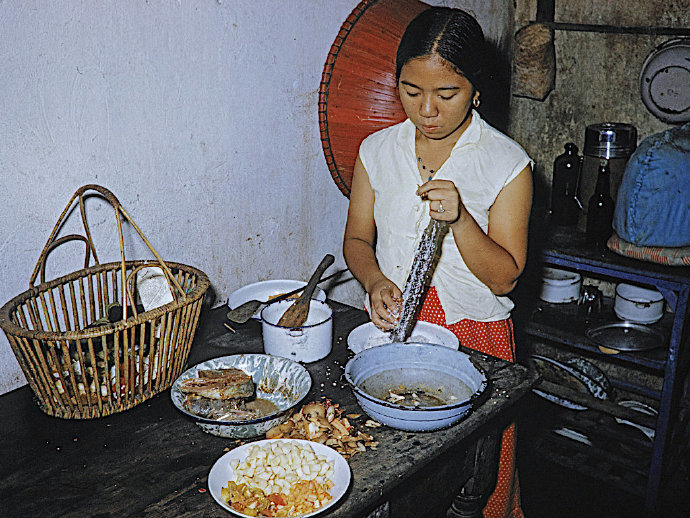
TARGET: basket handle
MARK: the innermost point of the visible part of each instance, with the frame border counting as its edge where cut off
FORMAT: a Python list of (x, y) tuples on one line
[(119, 213), (65, 239)]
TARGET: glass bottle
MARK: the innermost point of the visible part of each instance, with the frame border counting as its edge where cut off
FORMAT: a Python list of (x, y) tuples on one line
[(600, 209), (565, 205)]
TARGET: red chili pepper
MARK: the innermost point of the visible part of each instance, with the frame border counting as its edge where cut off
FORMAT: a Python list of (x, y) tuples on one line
[(276, 498)]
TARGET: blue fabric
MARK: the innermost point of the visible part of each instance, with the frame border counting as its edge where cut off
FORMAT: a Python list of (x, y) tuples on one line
[(653, 201)]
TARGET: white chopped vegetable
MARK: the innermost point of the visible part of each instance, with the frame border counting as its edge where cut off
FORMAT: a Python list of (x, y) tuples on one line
[(276, 466)]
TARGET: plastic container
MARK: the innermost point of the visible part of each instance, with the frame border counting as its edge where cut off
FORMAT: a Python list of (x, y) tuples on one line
[(560, 286)]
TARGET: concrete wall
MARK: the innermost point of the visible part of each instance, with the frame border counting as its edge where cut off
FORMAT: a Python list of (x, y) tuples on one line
[(596, 78), (200, 116)]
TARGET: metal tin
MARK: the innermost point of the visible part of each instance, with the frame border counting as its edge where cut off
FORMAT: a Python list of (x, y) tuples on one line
[(281, 381), (610, 140), (626, 336)]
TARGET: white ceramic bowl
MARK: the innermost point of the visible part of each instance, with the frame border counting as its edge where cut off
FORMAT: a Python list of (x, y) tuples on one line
[(283, 382), (368, 335), (307, 343), (637, 304), (560, 286)]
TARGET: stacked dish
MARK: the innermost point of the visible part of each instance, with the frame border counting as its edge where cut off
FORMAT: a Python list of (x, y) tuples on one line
[(575, 373)]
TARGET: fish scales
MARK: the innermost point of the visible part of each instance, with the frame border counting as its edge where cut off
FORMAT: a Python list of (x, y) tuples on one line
[(415, 285)]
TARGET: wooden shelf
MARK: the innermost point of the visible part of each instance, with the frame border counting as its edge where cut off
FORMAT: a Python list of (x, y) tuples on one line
[(634, 464), (562, 323)]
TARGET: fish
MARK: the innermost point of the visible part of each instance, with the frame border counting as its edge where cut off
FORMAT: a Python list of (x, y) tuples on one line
[(423, 266), (219, 409), (219, 384)]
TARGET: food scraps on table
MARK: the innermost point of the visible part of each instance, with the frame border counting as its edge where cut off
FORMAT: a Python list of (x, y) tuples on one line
[(323, 422), (279, 479)]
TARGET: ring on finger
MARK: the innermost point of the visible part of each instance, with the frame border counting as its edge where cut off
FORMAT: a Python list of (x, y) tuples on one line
[(440, 207)]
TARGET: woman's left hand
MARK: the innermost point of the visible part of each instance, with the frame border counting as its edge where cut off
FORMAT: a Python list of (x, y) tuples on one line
[(444, 200)]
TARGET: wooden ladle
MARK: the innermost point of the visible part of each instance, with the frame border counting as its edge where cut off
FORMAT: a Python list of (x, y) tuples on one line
[(297, 313)]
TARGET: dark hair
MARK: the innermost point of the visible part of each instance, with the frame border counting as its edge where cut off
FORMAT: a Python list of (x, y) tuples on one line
[(453, 34)]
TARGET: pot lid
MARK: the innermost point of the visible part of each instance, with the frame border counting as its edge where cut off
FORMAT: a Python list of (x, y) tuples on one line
[(626, 336), (665, 81)]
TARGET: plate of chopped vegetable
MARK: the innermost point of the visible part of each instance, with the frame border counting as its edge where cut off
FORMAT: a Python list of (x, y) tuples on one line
[(293, 478)]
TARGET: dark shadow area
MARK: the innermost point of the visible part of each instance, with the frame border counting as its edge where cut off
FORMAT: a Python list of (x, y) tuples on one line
[(495, 94)]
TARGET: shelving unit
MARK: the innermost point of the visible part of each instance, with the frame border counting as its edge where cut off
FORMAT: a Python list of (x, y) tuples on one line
[(659, 375)]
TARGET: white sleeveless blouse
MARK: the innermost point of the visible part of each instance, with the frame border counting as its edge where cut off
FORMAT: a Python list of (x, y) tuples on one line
[(481, 163)]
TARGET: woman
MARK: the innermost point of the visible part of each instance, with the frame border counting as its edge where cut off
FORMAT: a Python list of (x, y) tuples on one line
[(444, 162)]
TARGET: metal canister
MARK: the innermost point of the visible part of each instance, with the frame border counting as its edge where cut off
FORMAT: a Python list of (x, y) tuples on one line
[(610, 140), (613, 141)]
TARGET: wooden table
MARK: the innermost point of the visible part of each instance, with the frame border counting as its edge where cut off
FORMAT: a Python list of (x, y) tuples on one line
[(154, 461)]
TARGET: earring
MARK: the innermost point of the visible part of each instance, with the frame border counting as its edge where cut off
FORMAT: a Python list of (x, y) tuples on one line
[(476, 102)]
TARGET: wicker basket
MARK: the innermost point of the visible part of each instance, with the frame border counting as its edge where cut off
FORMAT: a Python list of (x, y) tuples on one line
[(80, 363)]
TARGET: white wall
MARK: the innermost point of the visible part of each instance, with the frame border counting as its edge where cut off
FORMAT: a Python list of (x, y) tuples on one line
[(199, 115)]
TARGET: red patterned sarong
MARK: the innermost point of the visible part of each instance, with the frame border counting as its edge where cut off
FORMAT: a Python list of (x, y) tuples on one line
[(494, 338)]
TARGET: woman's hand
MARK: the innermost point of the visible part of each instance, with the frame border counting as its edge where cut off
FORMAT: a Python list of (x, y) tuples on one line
[(445, 203), (386, 302)]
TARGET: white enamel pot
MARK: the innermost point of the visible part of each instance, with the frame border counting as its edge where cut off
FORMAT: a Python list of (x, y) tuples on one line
[(637, 304), (560, 286), (308, 343)]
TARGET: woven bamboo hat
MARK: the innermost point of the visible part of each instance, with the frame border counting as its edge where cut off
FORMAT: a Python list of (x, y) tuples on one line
[(358, 94)]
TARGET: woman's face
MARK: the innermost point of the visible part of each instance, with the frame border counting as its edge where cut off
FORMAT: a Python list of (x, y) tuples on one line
[(435, 97)]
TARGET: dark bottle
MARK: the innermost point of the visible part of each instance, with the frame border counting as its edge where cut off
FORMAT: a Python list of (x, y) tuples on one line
[(600, 209), (565, 205)]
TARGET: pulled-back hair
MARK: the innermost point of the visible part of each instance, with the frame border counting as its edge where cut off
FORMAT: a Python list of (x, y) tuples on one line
[(454, 35)]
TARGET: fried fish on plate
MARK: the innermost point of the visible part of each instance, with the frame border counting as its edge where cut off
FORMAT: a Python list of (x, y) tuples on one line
[(220, 384)]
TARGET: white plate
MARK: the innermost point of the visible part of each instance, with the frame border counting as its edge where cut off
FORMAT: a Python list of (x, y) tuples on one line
[(368, 335), (572, 434), (264, 290), (221, 472), (640, 407)]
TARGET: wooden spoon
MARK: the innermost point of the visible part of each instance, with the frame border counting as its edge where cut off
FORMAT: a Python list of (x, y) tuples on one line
[(297, 313), (245, 311)]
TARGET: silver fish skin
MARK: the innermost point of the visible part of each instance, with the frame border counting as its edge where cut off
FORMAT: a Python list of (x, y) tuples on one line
[(219, 409), (219, 388), (425, 259)]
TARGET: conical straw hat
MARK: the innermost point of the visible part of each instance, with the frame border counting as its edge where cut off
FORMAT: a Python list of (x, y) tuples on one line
[(357, 95)]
